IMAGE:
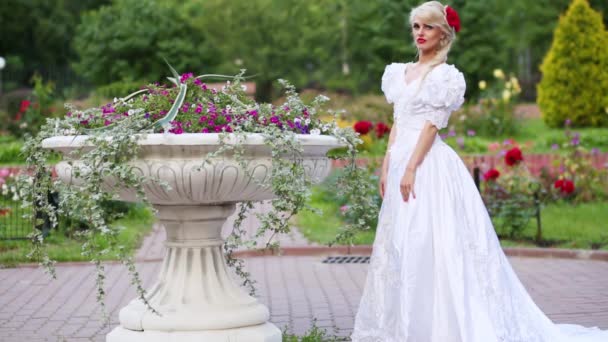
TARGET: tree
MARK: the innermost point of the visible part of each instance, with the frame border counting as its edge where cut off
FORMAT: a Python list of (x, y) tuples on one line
[(36, 35), (128, 40), (575, 81)]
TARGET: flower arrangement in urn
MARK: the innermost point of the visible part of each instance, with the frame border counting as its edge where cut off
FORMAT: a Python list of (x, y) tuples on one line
[(197, 154)]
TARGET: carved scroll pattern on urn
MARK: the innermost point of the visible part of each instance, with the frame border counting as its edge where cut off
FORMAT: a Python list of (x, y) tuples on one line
[(219, 181)]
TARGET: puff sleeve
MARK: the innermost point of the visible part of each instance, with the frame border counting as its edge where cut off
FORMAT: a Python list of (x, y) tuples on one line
[(389, 84), (443, 93)]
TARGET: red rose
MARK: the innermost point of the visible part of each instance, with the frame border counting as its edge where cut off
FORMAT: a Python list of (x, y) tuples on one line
[(491, 175), (452, 18), (565, 186), (568, 186), (363, 127), (513, 156), (382, 129), (558, 184), (25, 104)]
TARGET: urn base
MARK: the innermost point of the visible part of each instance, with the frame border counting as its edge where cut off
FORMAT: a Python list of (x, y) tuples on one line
[(266, 332)]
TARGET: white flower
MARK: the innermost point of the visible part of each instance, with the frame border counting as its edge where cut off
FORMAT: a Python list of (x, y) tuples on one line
[(307, 122), (23, 125), (315, 131), (130, 112), (296, 120), (238, 61), (244, 87), (115, 100), (322, 98)]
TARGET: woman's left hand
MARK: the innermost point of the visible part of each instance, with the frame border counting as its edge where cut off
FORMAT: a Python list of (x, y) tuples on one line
[(407, 184)]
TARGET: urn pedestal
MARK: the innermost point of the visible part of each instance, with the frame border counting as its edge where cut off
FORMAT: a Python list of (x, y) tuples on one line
[(194, 295)]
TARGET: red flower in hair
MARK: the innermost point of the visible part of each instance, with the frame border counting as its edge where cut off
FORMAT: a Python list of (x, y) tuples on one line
[(452, 17)]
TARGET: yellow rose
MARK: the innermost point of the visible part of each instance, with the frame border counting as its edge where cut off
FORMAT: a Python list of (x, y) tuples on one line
[(498, 73), (482, 85), (508, 85), (367, 142), (506, 95), (516, 86), (344, 123)]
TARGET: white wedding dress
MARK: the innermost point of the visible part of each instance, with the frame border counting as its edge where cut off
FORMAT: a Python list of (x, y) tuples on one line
[(437, 272)]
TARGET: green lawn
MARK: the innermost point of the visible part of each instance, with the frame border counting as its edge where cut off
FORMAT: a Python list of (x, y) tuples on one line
[(583, 226), (137, 223)]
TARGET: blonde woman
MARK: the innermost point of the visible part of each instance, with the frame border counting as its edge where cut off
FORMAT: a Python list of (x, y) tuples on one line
[(437, 272)]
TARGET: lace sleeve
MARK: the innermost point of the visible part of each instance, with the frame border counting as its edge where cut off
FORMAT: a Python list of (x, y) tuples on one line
[(388, 86), (442, 94)]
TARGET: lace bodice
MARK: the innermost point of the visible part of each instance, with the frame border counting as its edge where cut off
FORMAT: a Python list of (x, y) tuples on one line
[(432, 99)]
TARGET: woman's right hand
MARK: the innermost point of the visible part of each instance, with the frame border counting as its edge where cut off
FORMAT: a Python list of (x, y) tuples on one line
[(382, 184)]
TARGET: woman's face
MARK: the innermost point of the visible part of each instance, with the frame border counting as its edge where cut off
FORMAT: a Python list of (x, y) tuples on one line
[(426, 36)]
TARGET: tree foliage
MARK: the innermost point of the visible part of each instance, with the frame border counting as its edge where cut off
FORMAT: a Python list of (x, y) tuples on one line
[(575, 81), (337, 44), (128, 39)]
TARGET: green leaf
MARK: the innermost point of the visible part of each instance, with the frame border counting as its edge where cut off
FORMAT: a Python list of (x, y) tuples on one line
[(179, 100)]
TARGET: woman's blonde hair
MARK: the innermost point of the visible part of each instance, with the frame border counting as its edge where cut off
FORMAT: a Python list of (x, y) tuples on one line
[(433, 13)]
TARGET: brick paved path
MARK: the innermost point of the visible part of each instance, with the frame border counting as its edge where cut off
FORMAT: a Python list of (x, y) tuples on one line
[(296, 289), (35, 308)]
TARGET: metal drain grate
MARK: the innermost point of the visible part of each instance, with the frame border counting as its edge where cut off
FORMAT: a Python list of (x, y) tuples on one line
[(346, 259)]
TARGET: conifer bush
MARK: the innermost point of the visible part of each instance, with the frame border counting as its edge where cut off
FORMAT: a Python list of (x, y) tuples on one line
[(575, 70)]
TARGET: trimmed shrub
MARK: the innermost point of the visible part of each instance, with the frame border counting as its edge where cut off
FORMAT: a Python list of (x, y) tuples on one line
[(575, 82)]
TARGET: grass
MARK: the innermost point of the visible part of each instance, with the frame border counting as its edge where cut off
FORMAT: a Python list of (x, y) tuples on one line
[(324, 228), (583, 226), (137, 223)]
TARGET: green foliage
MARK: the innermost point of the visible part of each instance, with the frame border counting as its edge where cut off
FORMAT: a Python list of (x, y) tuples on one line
[(118, 89), (511, 200), (63, 245), (590, 183), (37, 35), (575, 84), (127, 39), (315, 334), (494, 114), (10, 153), (30, 112)]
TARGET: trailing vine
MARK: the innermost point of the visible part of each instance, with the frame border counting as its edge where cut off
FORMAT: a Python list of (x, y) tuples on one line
[(112, 134)]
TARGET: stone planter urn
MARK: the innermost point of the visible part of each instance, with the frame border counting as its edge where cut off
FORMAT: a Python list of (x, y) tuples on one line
[(195, 295)]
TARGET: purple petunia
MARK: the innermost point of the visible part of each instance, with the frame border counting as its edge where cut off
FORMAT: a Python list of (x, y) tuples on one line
[(185, 77)]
